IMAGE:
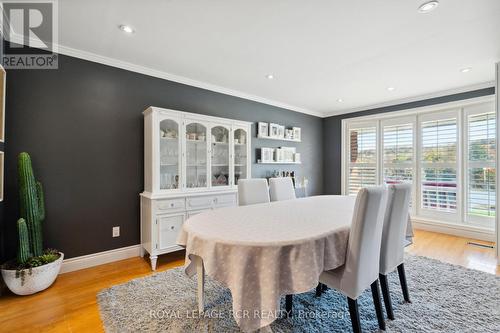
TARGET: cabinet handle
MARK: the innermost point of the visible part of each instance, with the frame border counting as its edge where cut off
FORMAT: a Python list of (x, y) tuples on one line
[(172, 227), (172, 204)]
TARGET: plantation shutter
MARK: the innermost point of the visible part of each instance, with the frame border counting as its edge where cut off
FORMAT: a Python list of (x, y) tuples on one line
[(398, 153), (481, 165), (439, 165), (362, 158)]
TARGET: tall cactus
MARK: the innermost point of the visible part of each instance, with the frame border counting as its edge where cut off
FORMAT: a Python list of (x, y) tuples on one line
[(32, 203), (23, 252)]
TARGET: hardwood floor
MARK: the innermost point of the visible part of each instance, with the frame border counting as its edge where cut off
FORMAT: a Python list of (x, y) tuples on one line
[(70, 304)]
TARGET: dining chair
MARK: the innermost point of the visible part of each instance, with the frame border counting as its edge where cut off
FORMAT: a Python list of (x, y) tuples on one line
[(361, 267), (281, 189), (393, 241), (252, 191)]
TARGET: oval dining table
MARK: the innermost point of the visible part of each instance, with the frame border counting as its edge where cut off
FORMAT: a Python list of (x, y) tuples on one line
[(264, 251)]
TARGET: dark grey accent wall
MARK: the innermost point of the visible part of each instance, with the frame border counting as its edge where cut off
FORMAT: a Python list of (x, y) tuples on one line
[(83, 126), (332, 133)]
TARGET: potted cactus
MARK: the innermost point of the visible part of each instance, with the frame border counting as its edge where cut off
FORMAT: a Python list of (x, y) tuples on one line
[(34, 269)]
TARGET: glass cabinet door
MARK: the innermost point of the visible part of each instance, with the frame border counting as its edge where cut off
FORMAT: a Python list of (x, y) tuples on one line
[(196, 155), (169, 155), (240, 154), (220, 156)]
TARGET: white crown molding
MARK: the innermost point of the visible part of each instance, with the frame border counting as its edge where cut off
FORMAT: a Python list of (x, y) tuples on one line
[(100, 258), (442, 93), (76, 53)]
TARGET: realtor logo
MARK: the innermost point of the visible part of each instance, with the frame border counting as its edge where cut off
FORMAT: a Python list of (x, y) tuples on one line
[(30, 34)]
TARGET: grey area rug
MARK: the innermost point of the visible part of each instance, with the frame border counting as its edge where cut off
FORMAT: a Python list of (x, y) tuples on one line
[(445, 298)]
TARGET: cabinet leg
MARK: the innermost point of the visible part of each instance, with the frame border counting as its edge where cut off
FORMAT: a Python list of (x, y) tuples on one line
[(142, 252), (153, 262), (200, 273)]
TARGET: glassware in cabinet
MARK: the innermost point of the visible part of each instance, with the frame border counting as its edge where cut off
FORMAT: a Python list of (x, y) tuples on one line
[(169, 154), (196, 155)]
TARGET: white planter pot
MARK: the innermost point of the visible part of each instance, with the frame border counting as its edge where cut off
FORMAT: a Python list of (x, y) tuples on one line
[(40, 278)]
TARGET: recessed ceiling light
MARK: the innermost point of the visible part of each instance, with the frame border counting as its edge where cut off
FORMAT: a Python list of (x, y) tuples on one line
[(390, 88), (126, 28), (466, 69), (428, 6), (340, 100), (270, 76)]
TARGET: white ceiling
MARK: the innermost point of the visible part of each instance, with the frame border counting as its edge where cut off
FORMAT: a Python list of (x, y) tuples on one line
[(318, 51)]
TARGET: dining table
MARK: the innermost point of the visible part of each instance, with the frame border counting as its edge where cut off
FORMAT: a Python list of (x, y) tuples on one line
[(264, 251)]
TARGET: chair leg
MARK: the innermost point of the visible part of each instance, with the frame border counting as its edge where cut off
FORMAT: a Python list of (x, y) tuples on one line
[(378, 305), (402, 280), (387, 296), (354, 313), (288, 305), (319, 289)]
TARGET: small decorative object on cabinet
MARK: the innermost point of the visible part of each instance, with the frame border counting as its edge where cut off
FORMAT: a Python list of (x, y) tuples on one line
[(192, 163)]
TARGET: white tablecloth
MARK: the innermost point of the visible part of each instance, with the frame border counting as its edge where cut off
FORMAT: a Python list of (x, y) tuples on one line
[(263, 251)]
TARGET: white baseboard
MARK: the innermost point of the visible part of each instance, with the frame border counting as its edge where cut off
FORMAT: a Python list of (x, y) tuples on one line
[(95, 259), (456, 230)]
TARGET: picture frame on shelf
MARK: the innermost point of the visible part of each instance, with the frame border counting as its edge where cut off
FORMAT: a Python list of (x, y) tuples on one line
[(266, 155), (274, 130), (287, 154), (262, 129), (281, 132), (296, 133)]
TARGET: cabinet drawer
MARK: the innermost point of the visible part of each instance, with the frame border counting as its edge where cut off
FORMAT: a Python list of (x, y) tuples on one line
[(225, 200), (168, 229), (196, 212), (200, 202), (171, 205)]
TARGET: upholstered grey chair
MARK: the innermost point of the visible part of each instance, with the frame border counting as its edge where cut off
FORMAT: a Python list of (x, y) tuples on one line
[(281, 189), (252, 191), (361, 268), (393, 241)]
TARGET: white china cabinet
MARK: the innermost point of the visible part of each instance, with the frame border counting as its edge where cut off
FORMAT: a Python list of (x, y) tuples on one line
[(192, 163)]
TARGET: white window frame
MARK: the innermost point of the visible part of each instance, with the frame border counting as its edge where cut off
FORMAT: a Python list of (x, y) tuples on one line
[(436, 222), (360, 125), (471, 111)]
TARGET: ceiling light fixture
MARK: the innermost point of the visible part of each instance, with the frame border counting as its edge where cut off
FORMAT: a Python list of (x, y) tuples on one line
[(466, 69), (340, 100), (126, 28), (269, 76), (391, 88), (428, 6)]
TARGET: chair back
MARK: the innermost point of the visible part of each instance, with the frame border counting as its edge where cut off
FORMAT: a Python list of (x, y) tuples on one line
[(394, 231), (252, 191), (363, 249), (281, 189)]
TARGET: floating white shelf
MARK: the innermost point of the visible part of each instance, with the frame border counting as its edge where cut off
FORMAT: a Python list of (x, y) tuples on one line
[(259, 162), (279, 139)]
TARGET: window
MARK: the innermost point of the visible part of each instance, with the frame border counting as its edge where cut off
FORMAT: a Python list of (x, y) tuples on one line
[(481, 171), (362, 158), (448, 155), (398, 153), (438, 165)]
